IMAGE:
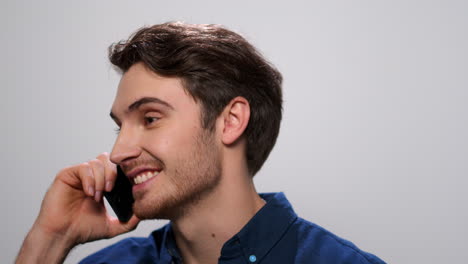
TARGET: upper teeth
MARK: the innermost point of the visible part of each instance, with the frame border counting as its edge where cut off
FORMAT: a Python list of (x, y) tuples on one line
[(144, 177)]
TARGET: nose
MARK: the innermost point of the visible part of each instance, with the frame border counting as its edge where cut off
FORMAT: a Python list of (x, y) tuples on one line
[(126, 147)]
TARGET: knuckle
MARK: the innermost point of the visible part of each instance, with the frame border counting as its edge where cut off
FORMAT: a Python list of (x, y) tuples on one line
[(86, 170), (94, 161), (98, 170), (85, 165), (98, 164), (65, 172), (103, 155), (62, 172)]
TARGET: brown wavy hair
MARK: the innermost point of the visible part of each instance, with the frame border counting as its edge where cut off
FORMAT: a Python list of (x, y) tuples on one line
[(215, 65)]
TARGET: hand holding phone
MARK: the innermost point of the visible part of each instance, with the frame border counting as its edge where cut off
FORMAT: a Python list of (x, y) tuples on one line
[(121, 197), (72, 211)]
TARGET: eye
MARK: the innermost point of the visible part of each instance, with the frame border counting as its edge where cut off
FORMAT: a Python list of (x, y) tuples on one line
[(151, 119), (148, 120)]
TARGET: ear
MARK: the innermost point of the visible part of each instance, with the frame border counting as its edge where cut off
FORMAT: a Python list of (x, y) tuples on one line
[(235, 119)]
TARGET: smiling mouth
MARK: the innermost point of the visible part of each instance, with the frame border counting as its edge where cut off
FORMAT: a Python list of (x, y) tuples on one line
[(143, 177)]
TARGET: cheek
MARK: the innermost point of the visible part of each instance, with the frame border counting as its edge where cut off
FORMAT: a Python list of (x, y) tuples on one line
[(158, 143), (170, 142)]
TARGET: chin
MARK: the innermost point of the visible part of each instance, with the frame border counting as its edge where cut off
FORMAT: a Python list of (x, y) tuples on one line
[(153, 215), (147, 211), (168, 209)]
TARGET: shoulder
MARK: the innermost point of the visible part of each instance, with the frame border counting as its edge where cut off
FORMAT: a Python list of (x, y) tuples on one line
[(129, 250), (315, 242)]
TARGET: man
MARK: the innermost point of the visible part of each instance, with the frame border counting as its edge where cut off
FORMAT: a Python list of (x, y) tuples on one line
[(198, 111)]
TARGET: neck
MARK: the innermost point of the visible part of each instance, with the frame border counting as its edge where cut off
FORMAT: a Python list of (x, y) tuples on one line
[(203, 230)]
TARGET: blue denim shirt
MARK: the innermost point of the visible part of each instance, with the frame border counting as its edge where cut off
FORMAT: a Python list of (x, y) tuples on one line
[(274, 235)]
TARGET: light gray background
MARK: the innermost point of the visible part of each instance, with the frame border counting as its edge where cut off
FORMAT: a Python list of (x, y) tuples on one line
[(373, 145)]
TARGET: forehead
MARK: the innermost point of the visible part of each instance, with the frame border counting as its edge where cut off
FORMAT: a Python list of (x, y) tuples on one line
[(139, 82)]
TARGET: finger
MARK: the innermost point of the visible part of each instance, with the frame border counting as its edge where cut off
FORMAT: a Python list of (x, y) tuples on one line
[(85, 174), (116, 227), (99, 177), (110, 171)]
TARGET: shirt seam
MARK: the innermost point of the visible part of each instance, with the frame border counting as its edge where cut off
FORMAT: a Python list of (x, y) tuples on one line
[(359, 252)]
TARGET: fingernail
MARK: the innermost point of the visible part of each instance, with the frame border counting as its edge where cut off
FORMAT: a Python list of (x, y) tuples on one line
[(108, 186), (91, 190), (97, 196)]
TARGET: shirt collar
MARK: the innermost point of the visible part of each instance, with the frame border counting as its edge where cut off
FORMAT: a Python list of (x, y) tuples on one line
[(257, 237), (171, 245), (263, 231)]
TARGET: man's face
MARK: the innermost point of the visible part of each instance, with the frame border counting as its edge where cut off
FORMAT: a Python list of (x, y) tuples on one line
[(166, 137)]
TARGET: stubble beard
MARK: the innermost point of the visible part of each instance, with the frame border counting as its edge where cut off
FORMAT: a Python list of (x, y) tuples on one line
[(195, 175)]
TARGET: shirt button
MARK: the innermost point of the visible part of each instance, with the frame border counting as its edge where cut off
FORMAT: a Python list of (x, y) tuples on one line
[(252, 258)]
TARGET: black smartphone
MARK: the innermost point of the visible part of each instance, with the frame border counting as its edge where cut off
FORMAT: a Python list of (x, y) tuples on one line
[(121, 197)]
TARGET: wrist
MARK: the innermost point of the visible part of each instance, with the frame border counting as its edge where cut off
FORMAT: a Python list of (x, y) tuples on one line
[(42, 246)]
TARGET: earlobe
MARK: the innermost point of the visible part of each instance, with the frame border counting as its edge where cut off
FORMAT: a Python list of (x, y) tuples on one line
[(236, 117)]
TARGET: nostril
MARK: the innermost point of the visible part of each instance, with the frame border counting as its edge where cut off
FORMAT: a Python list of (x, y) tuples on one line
[(121, 153)]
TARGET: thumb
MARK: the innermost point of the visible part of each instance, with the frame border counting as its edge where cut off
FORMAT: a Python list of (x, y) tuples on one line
[(116, 227)]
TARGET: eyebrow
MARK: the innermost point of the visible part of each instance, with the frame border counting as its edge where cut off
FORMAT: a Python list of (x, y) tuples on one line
[(138, 103)]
